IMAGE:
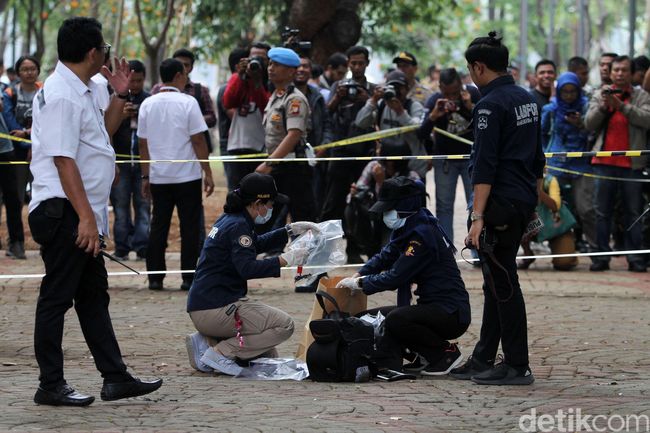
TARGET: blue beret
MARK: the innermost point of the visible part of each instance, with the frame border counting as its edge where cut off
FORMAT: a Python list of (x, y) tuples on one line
[(284, 56)]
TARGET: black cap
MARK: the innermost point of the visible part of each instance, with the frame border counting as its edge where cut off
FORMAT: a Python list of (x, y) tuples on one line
[(257, 186), (393, 191), (406, 57), (396, 77)]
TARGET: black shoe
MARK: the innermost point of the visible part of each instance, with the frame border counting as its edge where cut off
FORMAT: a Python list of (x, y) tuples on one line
[(63, 395), (301, 287), (470, 368), (121, 255), (185, 285), (132, 388), (503, 374), (141, 255), (416, 366), (16, 250), (155, 285), (637, 267), (450, 360), (582, 246), (599, 266)]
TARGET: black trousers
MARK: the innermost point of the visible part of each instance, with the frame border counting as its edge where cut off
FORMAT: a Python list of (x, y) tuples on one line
[(10, 198), (421, 328), (296, 181), (504, 320), (340, 175), (237, 170), (186, 198), (72, 277)]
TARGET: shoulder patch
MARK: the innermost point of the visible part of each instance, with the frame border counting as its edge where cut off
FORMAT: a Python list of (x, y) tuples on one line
[(245, 241), (482, 122), (412, 247), (213, 232), (294, 108)]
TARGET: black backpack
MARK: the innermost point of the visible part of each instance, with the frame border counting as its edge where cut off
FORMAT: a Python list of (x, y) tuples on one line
[(342, 346)]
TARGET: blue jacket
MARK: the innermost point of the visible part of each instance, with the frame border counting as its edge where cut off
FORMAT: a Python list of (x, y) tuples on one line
[(228, 260), (561, 136), (419, 253), (507, 151)]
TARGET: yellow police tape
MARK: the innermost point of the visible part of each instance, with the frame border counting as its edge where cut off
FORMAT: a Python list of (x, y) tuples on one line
[(595, 176), (14, 138)]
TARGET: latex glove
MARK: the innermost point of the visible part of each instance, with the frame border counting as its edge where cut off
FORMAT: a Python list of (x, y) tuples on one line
[(296, 256), (301, 227), (351, 283)]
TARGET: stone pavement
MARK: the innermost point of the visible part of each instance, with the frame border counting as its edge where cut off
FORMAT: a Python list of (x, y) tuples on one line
[(589, 344)]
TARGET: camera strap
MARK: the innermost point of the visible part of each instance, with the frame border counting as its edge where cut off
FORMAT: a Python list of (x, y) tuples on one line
[(487, 251)]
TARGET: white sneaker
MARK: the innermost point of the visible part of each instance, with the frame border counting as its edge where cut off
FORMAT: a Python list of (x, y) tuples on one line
[(197, 345), (220, 363)]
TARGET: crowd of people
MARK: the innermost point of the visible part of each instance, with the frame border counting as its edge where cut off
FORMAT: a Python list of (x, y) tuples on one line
[(278, 102)]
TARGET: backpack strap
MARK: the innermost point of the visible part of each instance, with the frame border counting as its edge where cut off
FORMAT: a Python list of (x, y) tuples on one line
[(319, 297)]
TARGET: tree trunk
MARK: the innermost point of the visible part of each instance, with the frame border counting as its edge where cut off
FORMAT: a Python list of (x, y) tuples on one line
[(331, 25), (153, 46), (29, 26), (4, 34), (117, 39), (646, 39)]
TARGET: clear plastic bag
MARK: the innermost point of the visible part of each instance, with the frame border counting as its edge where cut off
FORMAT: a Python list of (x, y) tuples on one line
[(377, 323), (326, 250), (275, 369)]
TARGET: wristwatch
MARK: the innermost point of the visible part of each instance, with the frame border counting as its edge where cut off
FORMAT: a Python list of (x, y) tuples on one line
[(144, 177), (475, 216), (123, 96)]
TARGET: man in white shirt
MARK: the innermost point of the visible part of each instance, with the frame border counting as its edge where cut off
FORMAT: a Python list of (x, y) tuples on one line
[(171, 127), (73, 165)]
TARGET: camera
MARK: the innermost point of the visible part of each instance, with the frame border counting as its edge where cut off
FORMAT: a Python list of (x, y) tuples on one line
[(293, 42), (451, 106), (256, 63), (612, 91), (351, 86), (389, 92)]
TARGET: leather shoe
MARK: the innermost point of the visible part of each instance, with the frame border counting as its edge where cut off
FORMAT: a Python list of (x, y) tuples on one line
[(155, 285), (186, 285), (599, 266), (637, 267), (63, 395), (132, 388)]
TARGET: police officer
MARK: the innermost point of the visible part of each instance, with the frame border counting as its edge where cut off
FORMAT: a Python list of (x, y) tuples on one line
[(217, 301), (506, 168), (419, 253), (285, 124)]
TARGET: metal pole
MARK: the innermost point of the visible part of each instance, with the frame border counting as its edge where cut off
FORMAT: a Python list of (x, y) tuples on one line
[(632, 25), (523, 38)]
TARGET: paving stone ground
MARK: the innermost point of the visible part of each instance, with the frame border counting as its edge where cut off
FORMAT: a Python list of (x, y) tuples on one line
[(588, 333)]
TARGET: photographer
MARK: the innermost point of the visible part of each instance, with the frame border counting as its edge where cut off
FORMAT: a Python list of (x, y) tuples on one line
[(619, 116), (449, 110), (247, 94), (506, 166), (388, 108), (335, 70), (347, 97)]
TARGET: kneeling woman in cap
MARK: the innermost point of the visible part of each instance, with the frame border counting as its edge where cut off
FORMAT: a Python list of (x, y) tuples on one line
[(418, 253), (217, 301)]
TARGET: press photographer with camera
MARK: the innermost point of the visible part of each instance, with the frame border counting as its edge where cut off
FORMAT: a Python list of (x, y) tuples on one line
[(247, 93), (347, 97), (506, 168), (389, 107)]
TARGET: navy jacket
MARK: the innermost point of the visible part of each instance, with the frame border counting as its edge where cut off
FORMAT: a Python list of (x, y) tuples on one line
[(228, 260), (419, 253), (507, 151)]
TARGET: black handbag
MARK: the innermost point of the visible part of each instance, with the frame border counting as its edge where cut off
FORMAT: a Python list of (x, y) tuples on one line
[(342, 346)]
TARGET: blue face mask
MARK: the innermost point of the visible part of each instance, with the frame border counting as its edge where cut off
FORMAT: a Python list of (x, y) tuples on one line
[(393, 221), (259, 219)]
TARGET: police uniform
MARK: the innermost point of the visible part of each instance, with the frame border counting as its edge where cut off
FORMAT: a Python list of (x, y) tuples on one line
[(289, 109), (227, 262), (507, 154), (419, 93)]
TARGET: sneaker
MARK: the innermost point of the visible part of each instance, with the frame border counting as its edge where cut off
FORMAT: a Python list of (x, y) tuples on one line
[(503, 374), (637, 267), (419, 364), (450, 360), (196, 346), (599, 266), (155, 285), (141, 255), (472, 367), (16, 250), (222, 364), (186, 285), (121, 255)]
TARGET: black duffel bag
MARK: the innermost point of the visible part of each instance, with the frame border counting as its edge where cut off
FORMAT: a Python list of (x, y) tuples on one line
[(342, 346)]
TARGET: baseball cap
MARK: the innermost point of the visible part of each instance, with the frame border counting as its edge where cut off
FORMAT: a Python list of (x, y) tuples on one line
[(258, 186), (284, 56), (393, 191), (406, 57), (396, 77)]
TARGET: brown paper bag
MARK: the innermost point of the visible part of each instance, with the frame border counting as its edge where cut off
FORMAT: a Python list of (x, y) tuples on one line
[(563, 244), (347, 303)]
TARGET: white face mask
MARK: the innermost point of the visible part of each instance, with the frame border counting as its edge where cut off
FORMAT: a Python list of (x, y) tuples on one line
[(393, 221), (259, 219)]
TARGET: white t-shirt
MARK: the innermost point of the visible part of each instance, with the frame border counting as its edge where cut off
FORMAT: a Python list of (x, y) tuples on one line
[(103, 97), (167, 120), (68, 121)]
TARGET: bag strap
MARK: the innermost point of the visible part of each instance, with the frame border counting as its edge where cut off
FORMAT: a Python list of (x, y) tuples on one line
[(320, 295)]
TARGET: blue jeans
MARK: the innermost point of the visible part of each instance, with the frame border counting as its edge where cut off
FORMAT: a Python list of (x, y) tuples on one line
[(130, 235), (632, 203), (445, 176)]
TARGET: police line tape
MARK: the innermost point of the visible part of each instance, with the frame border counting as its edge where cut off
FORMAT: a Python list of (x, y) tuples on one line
[(14, 138), (596, 176), (351, 266)]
